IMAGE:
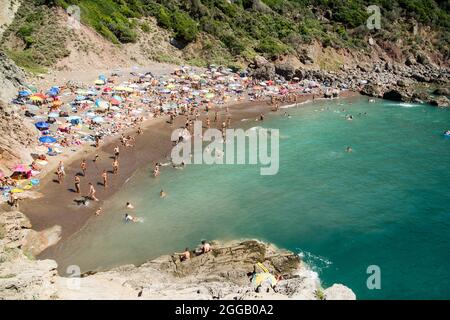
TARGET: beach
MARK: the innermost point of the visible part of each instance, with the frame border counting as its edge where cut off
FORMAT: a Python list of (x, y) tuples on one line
[(57, 206)]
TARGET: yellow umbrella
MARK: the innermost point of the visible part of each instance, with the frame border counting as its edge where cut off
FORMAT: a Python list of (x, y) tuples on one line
[(99, 82), (35, 98), (16, 190)]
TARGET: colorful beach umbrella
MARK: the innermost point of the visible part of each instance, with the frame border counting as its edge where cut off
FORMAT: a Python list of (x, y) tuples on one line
[(99, 82), (20, 168), (24, 93), (36, 98), (47, 139), (114, 102), (41, 125)]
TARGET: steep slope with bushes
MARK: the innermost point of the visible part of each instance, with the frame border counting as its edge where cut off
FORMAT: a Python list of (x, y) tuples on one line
[(233, 32)]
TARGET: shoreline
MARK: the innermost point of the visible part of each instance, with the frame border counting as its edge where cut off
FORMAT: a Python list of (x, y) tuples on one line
[(152, 146)]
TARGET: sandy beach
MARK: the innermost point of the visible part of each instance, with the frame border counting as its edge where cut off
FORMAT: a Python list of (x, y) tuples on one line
[(58, 206)]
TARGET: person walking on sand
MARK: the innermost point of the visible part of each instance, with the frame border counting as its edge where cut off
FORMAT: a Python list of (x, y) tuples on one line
[(115, 166), (105, 178), (83, 167), (77, 184), (116, 152), (59, 173), (92, 191), (61, 168), (98, 211)]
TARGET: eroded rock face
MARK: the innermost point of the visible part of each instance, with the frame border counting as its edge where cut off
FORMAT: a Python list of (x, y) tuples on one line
[(17, 137), (35, 242), (11, 78), (21, 276)]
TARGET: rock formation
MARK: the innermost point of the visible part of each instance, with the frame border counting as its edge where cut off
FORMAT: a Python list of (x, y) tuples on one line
[(17, 137), (11, 78), (223, 273)]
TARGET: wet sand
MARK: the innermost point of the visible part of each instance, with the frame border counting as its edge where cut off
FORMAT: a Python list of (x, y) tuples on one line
[(57, 206)]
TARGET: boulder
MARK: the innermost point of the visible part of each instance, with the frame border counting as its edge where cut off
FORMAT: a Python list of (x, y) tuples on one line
[(442, 102), (371, 90), (259, 61), (35, 242), (265, 72), (423, 59), (339, 292), (306, 56), (395, 95), (410, 61), (442, 92), (285, 70), (401, 83)]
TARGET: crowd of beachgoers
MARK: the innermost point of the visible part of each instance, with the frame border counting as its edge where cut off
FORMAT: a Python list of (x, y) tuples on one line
[(74, 115)]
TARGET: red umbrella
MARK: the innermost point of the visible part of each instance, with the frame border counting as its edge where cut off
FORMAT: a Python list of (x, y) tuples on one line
[(40, 95), (114, 102), (107, 89)]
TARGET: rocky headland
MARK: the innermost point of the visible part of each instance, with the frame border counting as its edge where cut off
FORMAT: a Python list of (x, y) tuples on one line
[(223, 273)]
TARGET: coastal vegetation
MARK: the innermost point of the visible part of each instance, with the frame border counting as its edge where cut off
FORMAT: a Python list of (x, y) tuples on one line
[(238, 29)]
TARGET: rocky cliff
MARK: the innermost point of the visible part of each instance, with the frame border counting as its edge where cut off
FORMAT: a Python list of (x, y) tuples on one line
[(220, 274), (17, 138)]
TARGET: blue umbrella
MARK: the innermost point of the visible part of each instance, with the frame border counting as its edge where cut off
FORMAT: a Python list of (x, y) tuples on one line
[(24, 93), (80, 98), (41, 125), (102, 77), (47, 139), (53, 92)]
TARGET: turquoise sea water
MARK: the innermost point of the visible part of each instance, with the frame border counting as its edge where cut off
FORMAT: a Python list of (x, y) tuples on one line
[(387, 203)]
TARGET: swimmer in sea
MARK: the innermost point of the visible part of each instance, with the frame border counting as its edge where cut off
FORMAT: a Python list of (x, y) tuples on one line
[(162, 194), (129, 206), (348, 149), (129, 218)]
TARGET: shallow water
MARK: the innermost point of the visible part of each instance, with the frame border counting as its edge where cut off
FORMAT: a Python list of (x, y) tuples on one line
[(387, 203)]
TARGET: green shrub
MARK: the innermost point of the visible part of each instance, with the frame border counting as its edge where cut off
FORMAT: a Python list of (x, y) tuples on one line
[(185, 28)]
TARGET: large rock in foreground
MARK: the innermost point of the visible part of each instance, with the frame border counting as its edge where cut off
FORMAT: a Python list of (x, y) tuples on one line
[(223, 273)]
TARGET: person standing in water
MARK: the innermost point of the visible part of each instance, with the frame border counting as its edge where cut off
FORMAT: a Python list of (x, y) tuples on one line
[(162, 194)]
